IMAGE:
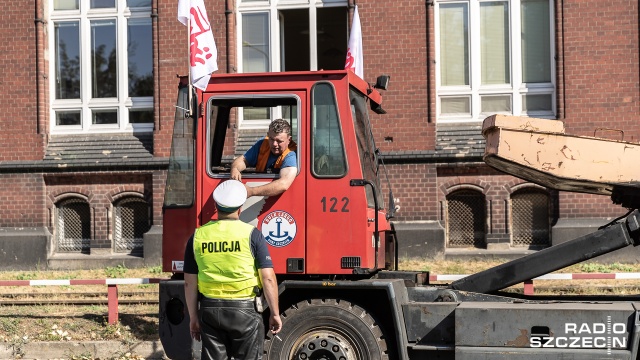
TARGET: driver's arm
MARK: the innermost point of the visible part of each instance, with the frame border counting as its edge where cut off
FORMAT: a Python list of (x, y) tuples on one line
[(238, 165), (277, 186)]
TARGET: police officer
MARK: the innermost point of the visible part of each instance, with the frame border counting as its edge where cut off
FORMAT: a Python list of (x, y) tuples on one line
[(226, 261)]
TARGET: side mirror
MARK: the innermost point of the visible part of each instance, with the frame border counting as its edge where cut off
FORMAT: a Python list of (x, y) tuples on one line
[(391, 212), (382, 82)]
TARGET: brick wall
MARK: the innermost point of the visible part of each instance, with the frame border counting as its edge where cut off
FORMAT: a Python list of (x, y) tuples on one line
[(395, 43), (20, 135), (600, 80), (22, 201), (414, 186)]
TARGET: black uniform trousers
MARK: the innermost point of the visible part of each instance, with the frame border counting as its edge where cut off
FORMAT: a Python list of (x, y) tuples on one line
[(231, 328)]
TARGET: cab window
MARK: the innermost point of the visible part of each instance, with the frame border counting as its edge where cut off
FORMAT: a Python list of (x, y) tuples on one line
[(226, 140), (327, 147)]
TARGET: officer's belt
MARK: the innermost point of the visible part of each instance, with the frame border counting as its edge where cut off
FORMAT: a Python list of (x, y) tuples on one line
[(242, 304)]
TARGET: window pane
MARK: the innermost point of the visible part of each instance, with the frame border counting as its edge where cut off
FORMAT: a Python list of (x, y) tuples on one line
[(454, 44), (494, 43), (65, 5), (140, 52), (139, 3), (455, 105), (140, 116), (494, 104), (295, 40), (328, 150), (68, 118), (103, 117), (179, 189), (332, 37), (536, 57), (103, 59), (67, 47), (536, 102), (250, 113), (255, 42), (103, 4)]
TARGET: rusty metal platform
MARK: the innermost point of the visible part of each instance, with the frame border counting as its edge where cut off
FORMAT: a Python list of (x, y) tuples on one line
[(538, 150)]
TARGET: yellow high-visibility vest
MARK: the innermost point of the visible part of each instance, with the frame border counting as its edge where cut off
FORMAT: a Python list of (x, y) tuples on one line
[(226, 267)]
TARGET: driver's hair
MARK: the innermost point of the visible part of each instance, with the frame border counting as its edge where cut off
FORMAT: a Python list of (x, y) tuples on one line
[(278, 126)]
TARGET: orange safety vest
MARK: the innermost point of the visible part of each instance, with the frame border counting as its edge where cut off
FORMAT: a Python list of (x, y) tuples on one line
[(265, 151)]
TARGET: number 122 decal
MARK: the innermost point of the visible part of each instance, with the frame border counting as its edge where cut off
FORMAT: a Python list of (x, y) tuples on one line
[(334, 205)]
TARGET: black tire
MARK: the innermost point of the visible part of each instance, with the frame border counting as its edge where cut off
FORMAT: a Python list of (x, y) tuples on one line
[(326, 329)]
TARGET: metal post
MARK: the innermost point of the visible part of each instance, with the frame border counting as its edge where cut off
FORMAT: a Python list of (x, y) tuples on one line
[(112, 299)]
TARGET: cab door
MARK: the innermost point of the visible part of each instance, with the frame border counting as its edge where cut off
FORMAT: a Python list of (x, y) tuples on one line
[(332, 202), (281, 219)]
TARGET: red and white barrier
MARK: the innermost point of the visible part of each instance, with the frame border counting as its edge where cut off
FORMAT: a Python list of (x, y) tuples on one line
[(528, 285), (112, 288), (130, 281)]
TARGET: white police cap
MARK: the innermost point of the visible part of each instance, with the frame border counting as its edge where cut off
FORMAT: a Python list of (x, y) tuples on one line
[(230, 195)]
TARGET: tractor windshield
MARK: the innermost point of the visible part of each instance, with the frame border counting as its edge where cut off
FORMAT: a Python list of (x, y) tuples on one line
[(179, 190)]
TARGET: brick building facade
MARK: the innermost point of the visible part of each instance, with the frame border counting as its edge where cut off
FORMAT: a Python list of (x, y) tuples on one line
[(90, 88)]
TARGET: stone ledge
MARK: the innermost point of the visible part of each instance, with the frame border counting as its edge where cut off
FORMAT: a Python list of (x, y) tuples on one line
[(69, 349)]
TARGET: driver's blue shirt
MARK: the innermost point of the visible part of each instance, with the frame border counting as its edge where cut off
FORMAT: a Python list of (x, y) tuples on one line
[(252, 158)]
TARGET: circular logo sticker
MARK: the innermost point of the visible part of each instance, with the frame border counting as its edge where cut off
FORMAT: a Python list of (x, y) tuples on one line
[(279, 228)]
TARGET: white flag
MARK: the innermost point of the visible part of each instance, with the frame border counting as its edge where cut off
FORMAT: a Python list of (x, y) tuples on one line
[(203, 54), (354, 49)]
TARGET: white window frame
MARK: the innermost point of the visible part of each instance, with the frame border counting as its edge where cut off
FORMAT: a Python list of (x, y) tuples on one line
[(85, 104), (516, 89), (272, 7)]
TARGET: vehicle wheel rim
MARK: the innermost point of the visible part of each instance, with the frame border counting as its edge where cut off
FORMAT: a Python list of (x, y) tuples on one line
[(327, 344)]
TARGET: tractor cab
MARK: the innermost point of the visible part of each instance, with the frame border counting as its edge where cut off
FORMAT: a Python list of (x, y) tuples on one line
[(332, 219)]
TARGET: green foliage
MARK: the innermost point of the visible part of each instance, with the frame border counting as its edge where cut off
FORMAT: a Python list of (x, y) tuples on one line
[(116, 271), (455, 268), (156, 270), (9, 325), (85, 355), (605, 268), (26, 276)]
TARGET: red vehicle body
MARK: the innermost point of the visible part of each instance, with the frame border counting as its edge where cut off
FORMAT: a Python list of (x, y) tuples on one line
[(327, 215)]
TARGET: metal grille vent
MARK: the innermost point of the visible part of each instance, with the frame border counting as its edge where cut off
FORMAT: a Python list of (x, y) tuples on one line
[(73, 226), (466, 219), (350, 262), (530, 218), (131, 222)]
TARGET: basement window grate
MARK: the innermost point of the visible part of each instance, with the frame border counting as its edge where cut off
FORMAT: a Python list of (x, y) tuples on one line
[(466, 219), (530, 218), (73, 232), (132, 220)]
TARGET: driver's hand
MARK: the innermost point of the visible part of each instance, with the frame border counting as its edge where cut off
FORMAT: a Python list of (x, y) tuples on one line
[(236, 175)]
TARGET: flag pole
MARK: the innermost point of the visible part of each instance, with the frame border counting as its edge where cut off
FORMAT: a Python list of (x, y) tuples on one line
[(190, 96)]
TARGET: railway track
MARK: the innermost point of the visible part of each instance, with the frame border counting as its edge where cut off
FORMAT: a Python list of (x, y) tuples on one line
[(77, 298)]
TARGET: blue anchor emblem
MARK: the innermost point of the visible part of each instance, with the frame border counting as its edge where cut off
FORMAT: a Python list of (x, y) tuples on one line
[(280, 235)]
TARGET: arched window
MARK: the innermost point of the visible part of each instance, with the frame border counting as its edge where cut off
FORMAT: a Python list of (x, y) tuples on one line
[(466, 218), (530, 218), (73, 226), (132, 220)]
